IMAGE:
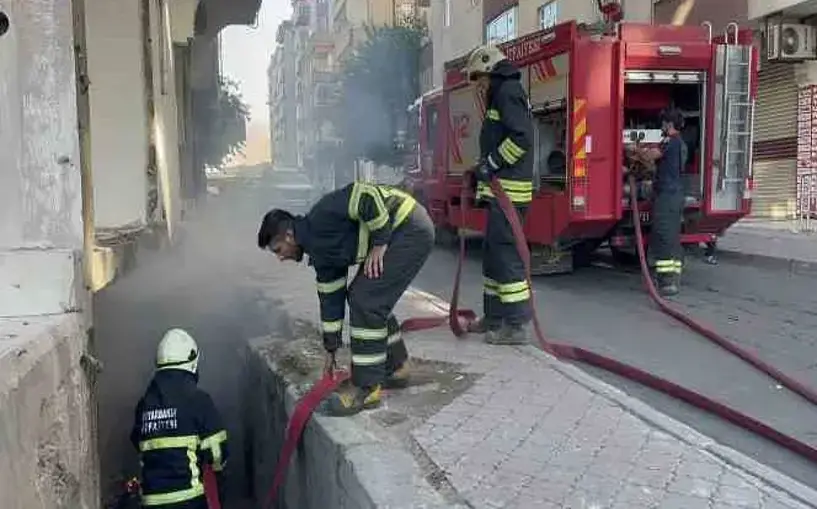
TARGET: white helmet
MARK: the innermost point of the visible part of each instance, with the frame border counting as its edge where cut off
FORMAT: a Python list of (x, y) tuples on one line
[(178, 350), (483, 60)]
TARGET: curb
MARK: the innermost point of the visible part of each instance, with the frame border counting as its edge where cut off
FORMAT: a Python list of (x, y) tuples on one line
[(366, 471), (792, 265), (672, 426)]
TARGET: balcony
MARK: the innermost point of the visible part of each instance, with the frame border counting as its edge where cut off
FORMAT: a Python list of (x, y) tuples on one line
[(324, 77), (321, 42), (759, 9)]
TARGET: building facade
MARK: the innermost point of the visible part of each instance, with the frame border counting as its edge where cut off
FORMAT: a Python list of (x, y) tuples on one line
[(282, 81), (785, 149)]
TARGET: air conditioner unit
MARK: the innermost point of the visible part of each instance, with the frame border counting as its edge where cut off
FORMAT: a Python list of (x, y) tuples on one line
[(789, 41)]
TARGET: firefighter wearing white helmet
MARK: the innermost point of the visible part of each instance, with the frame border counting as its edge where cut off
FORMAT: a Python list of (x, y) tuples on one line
[(175, 420), (505, 143)]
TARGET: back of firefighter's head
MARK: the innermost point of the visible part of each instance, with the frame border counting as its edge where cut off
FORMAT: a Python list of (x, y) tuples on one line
[(481, 63), (277, 234), (672, 121), (178, 350)]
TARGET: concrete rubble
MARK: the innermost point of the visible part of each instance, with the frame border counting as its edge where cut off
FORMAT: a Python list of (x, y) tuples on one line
[(488, 427)]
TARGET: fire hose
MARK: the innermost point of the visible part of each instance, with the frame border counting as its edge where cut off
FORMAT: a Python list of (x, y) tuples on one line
[(458, 321)]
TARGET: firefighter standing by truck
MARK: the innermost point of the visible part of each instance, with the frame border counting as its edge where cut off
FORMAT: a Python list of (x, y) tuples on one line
[(177, 430), (387, 231), (505, 153), (666, 252)]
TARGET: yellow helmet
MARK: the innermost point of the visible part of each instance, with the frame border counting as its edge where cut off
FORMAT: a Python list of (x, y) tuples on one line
[(177, 350), (483, 60)]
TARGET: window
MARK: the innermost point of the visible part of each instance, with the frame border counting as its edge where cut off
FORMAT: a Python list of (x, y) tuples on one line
[(447, 13), (548, 15), (502, 28)]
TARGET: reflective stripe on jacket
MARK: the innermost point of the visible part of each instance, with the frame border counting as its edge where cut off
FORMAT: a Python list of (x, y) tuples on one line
[(176, 430), (339, 232), (506, 137)]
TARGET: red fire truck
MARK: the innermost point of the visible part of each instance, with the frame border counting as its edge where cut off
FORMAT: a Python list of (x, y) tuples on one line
[(593, 91)]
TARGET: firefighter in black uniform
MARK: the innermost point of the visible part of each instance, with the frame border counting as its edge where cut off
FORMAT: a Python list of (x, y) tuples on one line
[(666, 251), (391, 235), (505, 153), (178, 430)]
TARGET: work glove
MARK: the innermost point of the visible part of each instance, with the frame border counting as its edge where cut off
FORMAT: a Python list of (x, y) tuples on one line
[(482, 172)]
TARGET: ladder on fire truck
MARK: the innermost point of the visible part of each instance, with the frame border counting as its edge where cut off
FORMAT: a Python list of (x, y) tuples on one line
[(737, 114)]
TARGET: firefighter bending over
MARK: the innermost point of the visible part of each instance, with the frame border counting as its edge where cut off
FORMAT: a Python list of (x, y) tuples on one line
[(388, 232), (505, 153), (666, 251), (178, 429)]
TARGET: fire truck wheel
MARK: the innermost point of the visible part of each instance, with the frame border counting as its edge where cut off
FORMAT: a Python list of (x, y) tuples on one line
[(624, 257), (445, 237), (583, 253)]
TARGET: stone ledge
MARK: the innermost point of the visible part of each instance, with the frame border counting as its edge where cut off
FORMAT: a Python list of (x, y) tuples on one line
[(39, 282), (48, 455), (340, 462)]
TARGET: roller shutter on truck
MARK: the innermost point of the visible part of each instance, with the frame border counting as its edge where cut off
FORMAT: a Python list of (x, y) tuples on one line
[(775, 142)]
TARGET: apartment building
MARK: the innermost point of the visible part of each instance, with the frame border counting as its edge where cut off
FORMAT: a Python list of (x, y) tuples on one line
[(282, 80), (458, 26), (786, 160)]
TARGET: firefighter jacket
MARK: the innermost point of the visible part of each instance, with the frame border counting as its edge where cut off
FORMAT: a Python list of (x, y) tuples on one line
[(506, 137), (338, 232), (673, 158), (177, 429)]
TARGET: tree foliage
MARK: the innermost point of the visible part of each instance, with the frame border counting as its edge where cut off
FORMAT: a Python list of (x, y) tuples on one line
[(378, 83), (227, 127)]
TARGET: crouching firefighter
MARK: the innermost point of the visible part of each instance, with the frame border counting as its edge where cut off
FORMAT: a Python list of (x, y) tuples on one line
[(177, 430), (505, 142), (388, 232), (666, 251)]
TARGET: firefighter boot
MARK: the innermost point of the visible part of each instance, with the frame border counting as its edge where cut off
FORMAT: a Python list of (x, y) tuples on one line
[(351, 400), (400, 378), (483, 326), (509, 335), (667, 284)]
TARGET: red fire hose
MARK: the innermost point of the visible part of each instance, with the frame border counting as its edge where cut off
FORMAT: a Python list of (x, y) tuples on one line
[(458, 320)]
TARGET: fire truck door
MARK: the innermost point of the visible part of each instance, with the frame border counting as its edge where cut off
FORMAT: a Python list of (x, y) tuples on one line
[(594, 130), (733, 101)]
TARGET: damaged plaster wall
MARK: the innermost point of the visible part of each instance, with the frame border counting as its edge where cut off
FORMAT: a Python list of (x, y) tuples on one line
[(47, 433), (119, 141)]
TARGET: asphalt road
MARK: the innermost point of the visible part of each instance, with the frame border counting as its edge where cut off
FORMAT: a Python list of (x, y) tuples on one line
[(770, 311)]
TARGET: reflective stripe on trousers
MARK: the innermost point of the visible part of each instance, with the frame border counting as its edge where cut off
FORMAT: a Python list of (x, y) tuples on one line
[(372, 301), (506, 292)]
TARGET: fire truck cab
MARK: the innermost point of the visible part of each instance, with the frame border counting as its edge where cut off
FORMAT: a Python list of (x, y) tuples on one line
[(593, 92)]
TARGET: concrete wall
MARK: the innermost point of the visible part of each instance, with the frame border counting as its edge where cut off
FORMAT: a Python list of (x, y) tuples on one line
[(719, 13), (48, 456), (761, 8), (464, 33), (584, 11), (40, 196), (119, 140), (165, 125), (47, 437), (338, 464)]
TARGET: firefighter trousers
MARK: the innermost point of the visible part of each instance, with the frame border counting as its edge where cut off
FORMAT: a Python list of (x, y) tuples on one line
[(377, 347), (666, 251), (506, 293)]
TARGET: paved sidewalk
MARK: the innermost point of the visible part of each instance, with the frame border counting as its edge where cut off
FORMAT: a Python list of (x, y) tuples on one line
[(532, 432), (771, 240)]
